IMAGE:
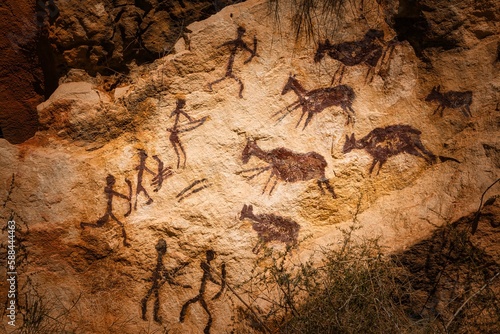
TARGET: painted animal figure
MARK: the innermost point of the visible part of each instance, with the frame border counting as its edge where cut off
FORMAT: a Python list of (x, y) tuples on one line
[(367, 51), (287, 166), (383, 143), (316, 100), (270, 227), (451, 99)]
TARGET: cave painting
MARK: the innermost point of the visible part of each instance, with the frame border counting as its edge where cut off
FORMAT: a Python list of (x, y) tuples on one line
[(270, 227), (176, 129), (451, 99), (316, 100), (383, 143), (110, 194), (193, 188), (234, 45), (287, 166), (367, 51), (158, 177), (159, 277), (200, 297)]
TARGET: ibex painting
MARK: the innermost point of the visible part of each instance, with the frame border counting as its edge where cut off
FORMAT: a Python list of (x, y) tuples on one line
[(287, 166), (316, 100), (383, 143), (367, 51), (270, 227), (451, 99)]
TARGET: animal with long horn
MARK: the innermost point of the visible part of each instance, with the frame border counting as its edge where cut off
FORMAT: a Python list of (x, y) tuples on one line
[(369, 50), (287, 166), (316, 100), (383, 143)]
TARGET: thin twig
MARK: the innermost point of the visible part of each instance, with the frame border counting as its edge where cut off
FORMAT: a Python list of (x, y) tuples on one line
[(267, 330), (468, 299), (475, 222)]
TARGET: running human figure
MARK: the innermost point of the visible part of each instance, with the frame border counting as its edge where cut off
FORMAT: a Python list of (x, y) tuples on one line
[(159, 277), (234, 45), (176, 129), (110, 194), (207, 275)]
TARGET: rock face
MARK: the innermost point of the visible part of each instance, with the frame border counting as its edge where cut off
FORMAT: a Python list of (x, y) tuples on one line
[(21, 79), (46, 39), (144, 192), (106, 36)]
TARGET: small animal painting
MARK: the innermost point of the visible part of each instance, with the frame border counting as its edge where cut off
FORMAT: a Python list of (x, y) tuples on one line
[(287, 166), (451, 99), (270, 227), (383, 143), (368, 51), (316, 100)]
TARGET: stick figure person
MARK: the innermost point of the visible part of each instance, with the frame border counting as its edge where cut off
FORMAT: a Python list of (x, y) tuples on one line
[(160, 276), (110, 194), (207, 275), (176, 129), (234, 45), (157, 178)]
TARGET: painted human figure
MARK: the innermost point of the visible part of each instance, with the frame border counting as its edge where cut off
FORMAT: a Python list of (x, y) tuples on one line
[(157, 177), (159, 277), (207, 275), (234, 45), (110, 194), (176, 129)]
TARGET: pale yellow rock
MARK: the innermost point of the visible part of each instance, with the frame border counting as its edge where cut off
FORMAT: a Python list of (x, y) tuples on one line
[(60, 175)]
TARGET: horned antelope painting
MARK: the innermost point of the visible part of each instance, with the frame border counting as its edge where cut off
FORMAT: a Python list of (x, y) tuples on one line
[(451, 99), (287, 166), (368, 51), (270, 227), (316, 100), (383, 143)]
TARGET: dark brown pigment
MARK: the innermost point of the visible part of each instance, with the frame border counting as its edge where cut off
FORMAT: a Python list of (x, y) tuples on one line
[(287, 166)]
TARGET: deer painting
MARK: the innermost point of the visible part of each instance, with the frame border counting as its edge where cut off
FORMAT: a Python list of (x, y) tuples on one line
[(287, 166), (270, 227), (383, 143), (366, 51), (316, 100), (451, 99)]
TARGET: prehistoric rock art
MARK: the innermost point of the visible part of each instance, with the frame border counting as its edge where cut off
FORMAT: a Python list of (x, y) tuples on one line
[(367, 51), (287, 166), (200, 297), (192, 189), (158, 178), (383, 143), (234, 45), (110, 194), (316, 100), (451, 99), (176, 129), (270, 227), (159, 277)]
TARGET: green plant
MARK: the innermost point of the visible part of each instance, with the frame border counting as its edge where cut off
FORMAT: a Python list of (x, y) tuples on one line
[(353, 289)]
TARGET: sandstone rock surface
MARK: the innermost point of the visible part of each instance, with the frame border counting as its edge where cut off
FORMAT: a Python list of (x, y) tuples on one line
[(173, 153)]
